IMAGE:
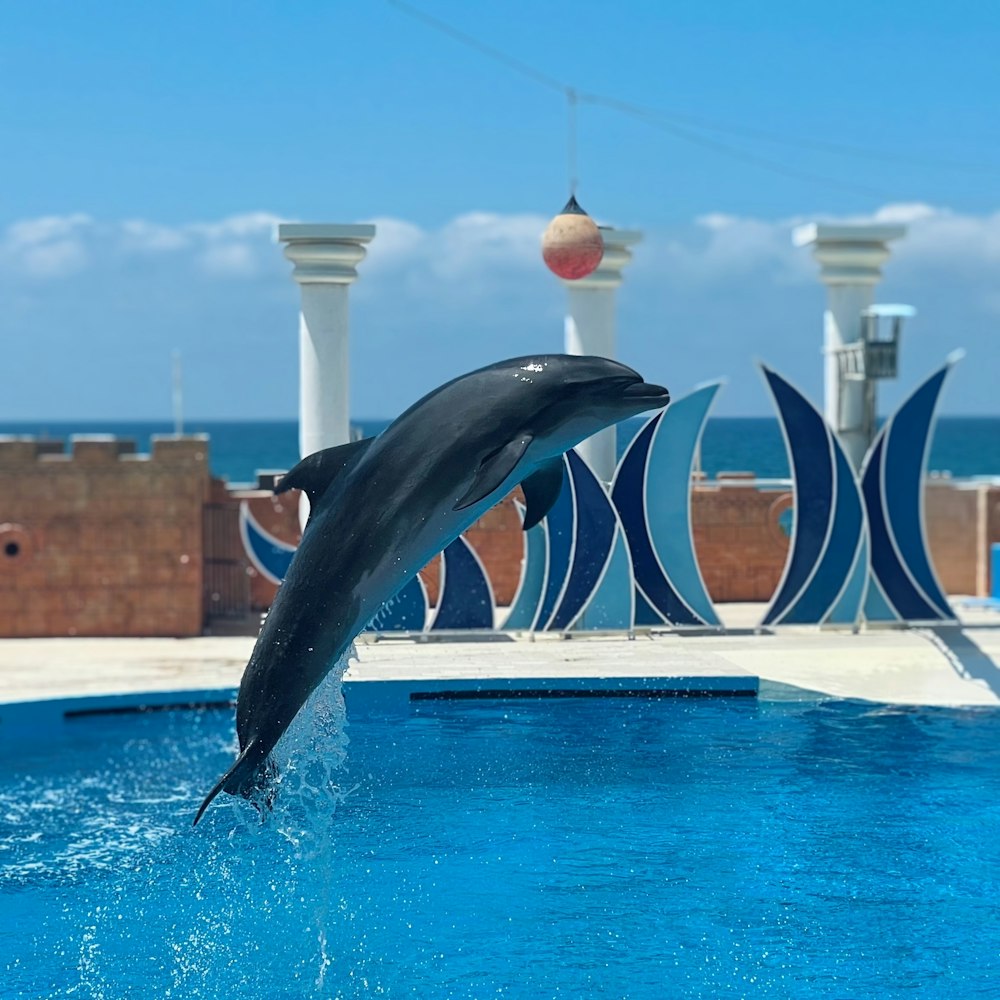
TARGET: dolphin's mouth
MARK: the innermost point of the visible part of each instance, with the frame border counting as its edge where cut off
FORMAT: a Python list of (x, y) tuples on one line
[(655, 395)]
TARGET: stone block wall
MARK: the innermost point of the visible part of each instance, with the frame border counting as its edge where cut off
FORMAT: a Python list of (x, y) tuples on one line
[(100, 540), (963, 520), (739, 539)]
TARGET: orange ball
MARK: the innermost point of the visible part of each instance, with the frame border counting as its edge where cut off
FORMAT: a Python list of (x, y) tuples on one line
[(572, 245)]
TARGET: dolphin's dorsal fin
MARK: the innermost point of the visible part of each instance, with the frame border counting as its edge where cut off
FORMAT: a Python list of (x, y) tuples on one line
[(493, 470), (316, 471), (541, 490)]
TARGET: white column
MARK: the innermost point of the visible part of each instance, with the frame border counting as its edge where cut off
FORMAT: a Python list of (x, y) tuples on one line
[(324, 257), (851, 259), (590, 329)]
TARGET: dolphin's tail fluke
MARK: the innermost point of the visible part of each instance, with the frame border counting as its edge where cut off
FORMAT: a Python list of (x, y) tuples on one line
[(244, 778), (215, 791)]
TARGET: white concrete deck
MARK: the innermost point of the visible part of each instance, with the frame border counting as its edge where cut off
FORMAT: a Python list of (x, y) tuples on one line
[(945, 666)]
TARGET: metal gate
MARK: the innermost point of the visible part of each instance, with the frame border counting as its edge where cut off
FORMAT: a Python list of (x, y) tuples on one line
[(226, 580)]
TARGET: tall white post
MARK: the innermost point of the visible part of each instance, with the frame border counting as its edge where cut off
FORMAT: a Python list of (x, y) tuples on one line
[(851, 259), (324, 257), (590, 329)]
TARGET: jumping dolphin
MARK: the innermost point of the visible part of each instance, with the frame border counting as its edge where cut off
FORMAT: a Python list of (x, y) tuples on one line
[(383, 507)]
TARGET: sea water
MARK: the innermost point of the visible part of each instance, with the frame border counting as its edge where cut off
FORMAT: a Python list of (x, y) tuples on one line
[(962, 446), (643, 849)]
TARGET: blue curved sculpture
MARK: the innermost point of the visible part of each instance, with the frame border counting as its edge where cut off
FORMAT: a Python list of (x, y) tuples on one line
[(612, 603), (906, 586), (576, 573), (594, 531), (406, 612), (652, 494), (270, 556), (534, 572), (820, 580), (560, 523), (465, 600)]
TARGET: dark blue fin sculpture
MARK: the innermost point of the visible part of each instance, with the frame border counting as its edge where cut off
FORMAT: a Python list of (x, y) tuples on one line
[(406, 612), (465, 600), (270, 556), (823, 579), (905, 586), (651, 491), (595, 526)]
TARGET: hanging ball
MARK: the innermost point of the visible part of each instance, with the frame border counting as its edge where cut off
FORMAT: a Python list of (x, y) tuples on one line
[(572, 246)]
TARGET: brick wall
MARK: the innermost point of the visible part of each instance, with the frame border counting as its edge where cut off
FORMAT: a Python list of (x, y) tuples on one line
[(101, 541), (962, 523), (739, 540), (740, 537)]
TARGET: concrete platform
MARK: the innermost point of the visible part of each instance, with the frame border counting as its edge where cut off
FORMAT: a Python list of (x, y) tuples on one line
[(942, 666)]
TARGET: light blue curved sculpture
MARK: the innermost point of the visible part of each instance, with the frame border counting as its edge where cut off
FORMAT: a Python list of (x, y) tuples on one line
[(465, 600), (823, 579), (560, 523), (612, 604), (906, 587), (652, 493), (576, 573), (534, 572)]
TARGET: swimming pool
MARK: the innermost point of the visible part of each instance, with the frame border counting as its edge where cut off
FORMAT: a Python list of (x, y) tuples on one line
[(618, 848)]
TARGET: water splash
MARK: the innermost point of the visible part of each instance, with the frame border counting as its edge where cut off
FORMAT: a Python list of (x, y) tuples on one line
[(254, 892)]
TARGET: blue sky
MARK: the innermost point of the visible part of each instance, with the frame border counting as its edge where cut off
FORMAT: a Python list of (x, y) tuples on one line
[(148, 150)]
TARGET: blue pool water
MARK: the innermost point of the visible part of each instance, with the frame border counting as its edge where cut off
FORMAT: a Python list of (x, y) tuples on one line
[(639, 849)]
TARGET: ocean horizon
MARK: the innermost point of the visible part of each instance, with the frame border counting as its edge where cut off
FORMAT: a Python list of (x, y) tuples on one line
[(962, 447)]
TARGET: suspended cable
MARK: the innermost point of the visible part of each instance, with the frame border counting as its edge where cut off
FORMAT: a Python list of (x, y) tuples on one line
[(790, 140), (571, 103), (671, 122)]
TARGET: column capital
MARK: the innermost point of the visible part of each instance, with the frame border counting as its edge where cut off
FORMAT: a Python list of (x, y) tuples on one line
[(617, 253), (848, 254), (324, 253)]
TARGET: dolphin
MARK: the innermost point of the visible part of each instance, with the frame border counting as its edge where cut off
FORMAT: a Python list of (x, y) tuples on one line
[(383, 507)]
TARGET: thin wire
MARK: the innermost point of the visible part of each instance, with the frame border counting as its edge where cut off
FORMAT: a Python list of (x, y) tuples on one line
[(623, 107), (543, 79), (571, 105), (668, 122), (799, 141)]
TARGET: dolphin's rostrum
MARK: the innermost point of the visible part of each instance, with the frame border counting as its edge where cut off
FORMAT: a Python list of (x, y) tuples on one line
[(381, 508)]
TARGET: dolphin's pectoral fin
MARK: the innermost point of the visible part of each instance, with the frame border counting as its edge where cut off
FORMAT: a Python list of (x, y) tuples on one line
[(541, 491), (316, 471), (493, 470)]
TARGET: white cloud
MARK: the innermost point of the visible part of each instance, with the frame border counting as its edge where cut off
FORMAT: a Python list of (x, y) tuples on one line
[(51, 246), (229, 260), (139, 236)]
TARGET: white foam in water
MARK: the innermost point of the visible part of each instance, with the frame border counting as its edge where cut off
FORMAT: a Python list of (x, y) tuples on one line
[(309, 758), (257, 894)]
